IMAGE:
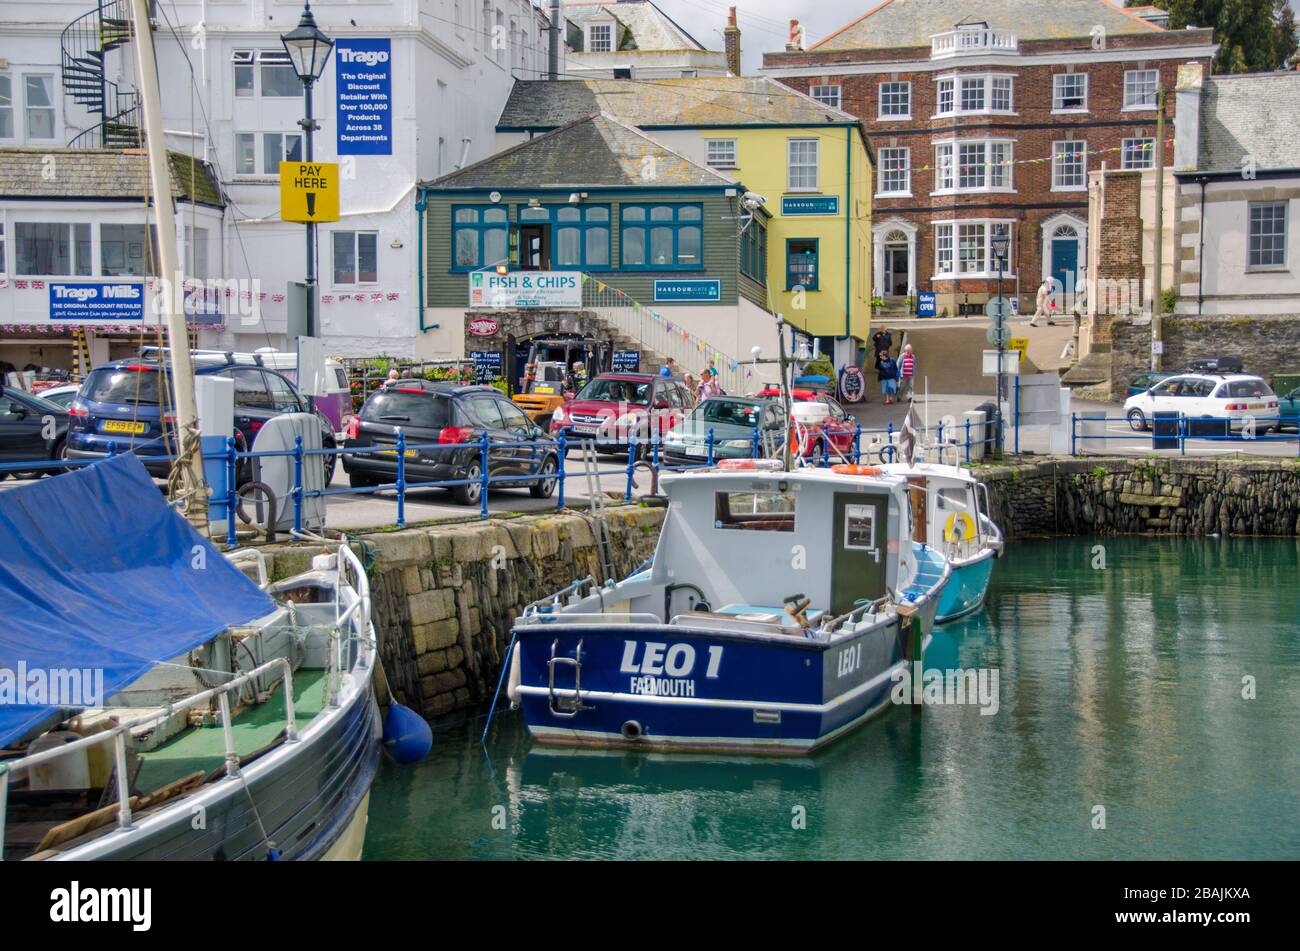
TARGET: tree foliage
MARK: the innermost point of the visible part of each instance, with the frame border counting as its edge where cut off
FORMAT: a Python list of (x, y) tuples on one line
[(1253, 35)]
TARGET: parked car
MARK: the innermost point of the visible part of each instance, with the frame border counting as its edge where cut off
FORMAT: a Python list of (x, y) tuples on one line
[(122, 403), (733, 420), (31, 430), (1289, 410), (613, 406), (61, 396), (1144, 381), (445, 423), (1230, 399), (840, 428)]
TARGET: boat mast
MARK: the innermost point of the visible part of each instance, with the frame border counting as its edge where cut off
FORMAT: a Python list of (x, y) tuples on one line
[(189, 459)]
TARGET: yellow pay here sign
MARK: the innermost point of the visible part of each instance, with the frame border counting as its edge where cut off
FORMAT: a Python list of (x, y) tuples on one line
[(309, 191), (1021, 344)]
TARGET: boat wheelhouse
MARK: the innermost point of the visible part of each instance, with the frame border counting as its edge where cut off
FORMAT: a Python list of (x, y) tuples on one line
[(778, 612), (950, 513)]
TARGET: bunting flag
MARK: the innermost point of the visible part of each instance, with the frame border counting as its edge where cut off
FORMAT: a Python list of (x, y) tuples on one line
[(278, 298)]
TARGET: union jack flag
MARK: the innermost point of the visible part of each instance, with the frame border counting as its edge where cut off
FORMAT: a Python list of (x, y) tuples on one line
[(392, 295), (327, 298)]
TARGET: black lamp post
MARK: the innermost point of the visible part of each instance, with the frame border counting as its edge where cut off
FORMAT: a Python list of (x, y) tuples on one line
[(309, 51), (1000, 243)]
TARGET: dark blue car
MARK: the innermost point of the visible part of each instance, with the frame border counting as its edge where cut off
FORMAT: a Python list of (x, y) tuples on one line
[(129, 404)]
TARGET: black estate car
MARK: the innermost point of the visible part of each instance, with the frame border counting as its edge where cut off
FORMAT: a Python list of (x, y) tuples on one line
[(31, 430), (447, 421)]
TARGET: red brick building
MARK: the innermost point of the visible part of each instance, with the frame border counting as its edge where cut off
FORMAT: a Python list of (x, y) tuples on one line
[(986, 119)]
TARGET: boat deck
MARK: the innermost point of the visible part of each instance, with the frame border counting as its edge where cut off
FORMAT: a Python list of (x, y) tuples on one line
[(254, 727)]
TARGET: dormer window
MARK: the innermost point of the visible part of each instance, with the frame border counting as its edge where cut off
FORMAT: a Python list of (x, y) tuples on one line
[(600, 38)]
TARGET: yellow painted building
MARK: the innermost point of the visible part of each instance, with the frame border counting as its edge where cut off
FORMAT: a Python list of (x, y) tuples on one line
[(810, 162)]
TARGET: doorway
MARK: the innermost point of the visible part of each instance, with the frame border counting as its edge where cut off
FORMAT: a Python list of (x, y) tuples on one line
[(857, 561), (535, 247), (896, 268), (1064, 259)]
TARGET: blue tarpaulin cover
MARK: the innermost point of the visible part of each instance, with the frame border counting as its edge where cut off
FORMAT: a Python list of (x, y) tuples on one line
[(98, 573)]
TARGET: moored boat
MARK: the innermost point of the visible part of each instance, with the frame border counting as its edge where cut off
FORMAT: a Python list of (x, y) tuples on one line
[(778, 612), (162, 705), (950, 514)]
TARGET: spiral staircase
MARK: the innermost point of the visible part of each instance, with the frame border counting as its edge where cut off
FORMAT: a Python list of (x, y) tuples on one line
[(86, 42)]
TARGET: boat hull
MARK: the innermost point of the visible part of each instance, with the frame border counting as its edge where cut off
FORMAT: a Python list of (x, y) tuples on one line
[(778, 695), (964, 593)]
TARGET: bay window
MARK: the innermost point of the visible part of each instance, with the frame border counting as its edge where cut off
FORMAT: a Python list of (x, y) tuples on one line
[(965, 248), (974, 95), (53, 249), (973, 165), (123, 251)]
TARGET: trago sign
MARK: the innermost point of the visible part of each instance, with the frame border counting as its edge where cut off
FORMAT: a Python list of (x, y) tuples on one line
[(96, 300)]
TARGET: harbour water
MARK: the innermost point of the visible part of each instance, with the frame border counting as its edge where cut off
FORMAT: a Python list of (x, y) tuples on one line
[(1122, 664)]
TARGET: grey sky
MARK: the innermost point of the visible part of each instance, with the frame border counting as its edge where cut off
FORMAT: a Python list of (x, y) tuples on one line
[(763, 23)]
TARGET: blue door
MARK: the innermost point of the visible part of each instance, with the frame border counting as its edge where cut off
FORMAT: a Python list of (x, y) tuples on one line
[(1065, 262)]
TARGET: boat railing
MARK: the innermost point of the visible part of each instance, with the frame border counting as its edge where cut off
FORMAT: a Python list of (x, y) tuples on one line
[(119, 734), (255, 555), (590, 617), (346, 617)]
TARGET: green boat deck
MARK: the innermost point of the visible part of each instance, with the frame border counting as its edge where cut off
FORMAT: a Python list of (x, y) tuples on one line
[(203, 748)]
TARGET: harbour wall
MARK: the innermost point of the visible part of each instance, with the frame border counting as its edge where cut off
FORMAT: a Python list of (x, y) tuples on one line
[(1101, 495), (446, 595)]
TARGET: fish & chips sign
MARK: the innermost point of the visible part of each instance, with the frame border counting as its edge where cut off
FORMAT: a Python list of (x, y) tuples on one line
[(525, 289)]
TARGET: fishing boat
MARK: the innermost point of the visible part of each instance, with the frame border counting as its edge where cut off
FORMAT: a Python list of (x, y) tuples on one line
[(779, 610), (950, 513), (158, 703)]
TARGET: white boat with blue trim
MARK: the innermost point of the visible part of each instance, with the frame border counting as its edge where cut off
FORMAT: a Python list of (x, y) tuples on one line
[(950, 513), (778, 612)]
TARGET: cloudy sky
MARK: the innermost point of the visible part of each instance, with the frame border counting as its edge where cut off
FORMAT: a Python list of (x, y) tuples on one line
[(763, 23)]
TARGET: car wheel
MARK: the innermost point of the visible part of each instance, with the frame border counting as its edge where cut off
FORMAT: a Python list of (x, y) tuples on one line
[(1137, 420), (331, 464), (544, 487), (359, 480), (469, 493)]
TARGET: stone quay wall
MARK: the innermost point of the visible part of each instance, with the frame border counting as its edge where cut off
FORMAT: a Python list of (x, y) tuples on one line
[(1175, 496), (445, 596)]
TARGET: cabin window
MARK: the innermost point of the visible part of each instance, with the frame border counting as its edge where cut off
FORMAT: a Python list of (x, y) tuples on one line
[(754, 511), (860, 527), (952, 500)]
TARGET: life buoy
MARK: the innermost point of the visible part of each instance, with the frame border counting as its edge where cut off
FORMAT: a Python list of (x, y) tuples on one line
[(850, 469), (738, 465), (960, 527)]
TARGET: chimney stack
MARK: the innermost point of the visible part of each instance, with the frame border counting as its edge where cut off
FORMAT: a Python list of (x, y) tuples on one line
[(731, 42), (553, 54), (795, 43)]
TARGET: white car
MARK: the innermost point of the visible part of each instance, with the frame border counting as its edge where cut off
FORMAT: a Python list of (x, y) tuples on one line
[(1235, 397)]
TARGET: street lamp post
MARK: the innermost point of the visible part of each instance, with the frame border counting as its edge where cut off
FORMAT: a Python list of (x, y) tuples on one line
[(1000, 244), (309, 51)]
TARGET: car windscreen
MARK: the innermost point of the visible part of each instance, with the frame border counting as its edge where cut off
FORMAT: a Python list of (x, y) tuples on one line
[(420, 410), (617, 391), (124, 385), (729, 412)]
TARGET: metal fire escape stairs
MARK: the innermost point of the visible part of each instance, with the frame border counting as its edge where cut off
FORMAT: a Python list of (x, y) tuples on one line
[(85, 42)]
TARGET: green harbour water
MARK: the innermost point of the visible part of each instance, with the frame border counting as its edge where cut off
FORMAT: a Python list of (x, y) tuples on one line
[(1120, 686)]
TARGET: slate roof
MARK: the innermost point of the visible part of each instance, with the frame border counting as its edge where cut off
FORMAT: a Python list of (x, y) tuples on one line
[(651, 28), (904, 23), (595, 151), (1239, 119), (688, 103), (101, 174)]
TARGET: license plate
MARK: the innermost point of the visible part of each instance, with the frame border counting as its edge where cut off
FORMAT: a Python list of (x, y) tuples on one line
[(1256, 406), (585, 430), (696, 451), (544, 389), (123, 426), (409, 453)]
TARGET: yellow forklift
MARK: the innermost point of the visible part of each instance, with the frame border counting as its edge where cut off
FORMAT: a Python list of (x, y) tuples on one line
[(555, 368)]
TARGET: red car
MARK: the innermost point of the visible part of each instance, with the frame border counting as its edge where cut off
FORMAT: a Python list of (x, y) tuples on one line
[(614, 405), (840, 427)]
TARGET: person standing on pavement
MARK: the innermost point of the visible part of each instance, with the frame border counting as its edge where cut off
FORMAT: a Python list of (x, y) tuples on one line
[(882, 339), (907, 372), (887, 373), (1044, 304)]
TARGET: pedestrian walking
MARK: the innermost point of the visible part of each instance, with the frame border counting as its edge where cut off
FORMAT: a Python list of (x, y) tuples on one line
[(669, 368), (1045, 303), (882, 339), (887, 374), (907, 371)]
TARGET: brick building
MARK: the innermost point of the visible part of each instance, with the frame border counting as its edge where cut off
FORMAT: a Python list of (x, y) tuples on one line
[(986, 119)]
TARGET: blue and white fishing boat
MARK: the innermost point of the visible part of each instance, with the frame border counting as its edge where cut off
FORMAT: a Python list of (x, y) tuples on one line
[(778, 612), (950, 513), (157, 703)]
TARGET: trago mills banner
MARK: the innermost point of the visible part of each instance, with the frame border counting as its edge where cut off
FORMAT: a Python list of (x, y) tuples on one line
[(525, 289)]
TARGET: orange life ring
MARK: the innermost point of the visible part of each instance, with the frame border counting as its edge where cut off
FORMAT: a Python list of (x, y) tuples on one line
[(847, 469), (737, 465)]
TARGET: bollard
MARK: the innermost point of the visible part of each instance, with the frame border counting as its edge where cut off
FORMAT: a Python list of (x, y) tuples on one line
[(968, 442), (889, 436), (857, 444), (754, 454), (231, 491), (710, 447), (563, 464), (631, 463), (1182, 434), (826, 449), (486, 480), (1074, 434), (1016, 417), (654, 464), (401, 479), (297, 484)]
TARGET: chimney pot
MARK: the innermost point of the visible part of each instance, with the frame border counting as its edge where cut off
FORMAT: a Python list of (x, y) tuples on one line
[(731, 43)]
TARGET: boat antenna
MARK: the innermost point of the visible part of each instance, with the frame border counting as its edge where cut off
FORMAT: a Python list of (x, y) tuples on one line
[(786, 461), (192, 489)]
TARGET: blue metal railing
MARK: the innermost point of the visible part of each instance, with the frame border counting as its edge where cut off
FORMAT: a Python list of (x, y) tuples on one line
[(1260, 429)]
